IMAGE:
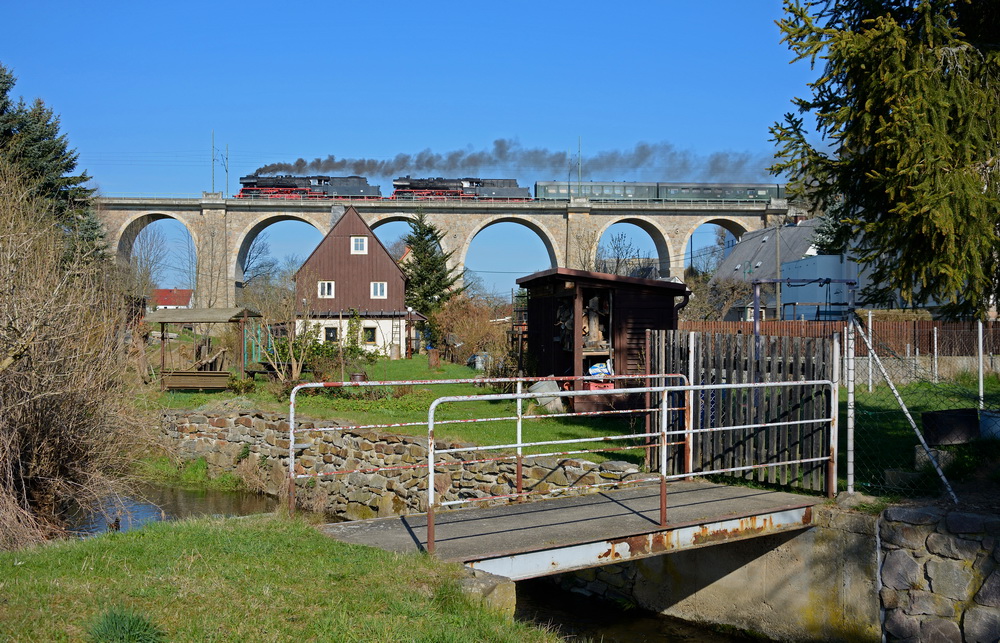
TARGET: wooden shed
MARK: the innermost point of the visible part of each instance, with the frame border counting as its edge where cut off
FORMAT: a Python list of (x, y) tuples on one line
[(577, 319), (194, 378)]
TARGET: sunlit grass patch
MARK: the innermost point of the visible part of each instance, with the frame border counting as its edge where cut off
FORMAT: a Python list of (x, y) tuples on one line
[(253, 579)]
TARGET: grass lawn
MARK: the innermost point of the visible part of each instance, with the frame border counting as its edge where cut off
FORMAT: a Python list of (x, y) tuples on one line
[(884, 438), (410, 404), (262, 578)]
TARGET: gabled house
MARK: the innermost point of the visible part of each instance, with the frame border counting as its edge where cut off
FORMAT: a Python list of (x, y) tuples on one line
[(350, 270), (170, 298), (811, 291), (756, 256)]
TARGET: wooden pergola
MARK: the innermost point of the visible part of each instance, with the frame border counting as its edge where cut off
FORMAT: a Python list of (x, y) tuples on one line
[(195, 378)]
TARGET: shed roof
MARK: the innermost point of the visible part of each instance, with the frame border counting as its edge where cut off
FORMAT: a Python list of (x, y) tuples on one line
[(200, 315), (600, 278)]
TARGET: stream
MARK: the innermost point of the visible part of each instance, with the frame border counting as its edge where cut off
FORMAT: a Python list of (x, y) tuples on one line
[(574, 616)]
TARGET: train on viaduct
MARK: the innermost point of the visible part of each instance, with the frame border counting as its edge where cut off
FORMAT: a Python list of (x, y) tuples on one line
[(569, 221)]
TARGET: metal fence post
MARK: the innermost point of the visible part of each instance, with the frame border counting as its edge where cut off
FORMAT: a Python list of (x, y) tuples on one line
[(935, 374), (850, 403), (291, 450), (689, 413), (520, 452), (430, 478), (871, 373), (663, 456), (981, 390)]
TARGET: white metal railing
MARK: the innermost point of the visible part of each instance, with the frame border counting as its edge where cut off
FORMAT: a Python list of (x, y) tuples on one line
[(517, 382), (663, 433)]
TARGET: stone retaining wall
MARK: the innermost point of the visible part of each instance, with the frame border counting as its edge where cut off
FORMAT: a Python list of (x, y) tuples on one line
[(255, 443), (940, 576)]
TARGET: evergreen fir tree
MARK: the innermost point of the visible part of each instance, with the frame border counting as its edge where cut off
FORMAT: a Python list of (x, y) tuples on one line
[(429, 280), (908, 105), (31, 142)]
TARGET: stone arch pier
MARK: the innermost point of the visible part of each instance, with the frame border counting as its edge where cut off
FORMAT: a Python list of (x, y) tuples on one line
[(223, 229)]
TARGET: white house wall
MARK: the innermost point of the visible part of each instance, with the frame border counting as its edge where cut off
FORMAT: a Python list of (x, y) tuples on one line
[(388, 332)]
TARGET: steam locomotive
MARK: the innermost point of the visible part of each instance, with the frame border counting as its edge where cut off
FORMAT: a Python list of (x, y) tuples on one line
[(307, 187), (406, 188), (468, 188)]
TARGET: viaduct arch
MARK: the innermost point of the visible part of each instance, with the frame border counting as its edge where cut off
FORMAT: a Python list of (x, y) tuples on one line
[(222, 229)]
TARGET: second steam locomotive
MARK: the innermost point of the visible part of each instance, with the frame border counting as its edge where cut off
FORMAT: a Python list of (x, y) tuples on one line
[(406, 188)]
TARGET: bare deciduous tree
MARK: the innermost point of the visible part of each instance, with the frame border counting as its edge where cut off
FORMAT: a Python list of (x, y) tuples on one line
[(475, 326), (284, 344), (259, 263), (620, 256), (148, 263), (63, 319)]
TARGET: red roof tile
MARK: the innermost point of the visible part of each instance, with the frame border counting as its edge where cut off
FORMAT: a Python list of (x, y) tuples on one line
[(171, 297)]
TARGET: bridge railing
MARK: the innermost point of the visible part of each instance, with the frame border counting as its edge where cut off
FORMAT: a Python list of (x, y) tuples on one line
[(309, 198), (665, 437), (517, 383)]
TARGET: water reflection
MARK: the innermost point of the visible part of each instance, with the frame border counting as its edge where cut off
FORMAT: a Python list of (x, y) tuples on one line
[(154, 503), (582, 618)]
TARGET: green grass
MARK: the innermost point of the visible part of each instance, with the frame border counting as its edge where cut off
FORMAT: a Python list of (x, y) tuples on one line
[(884, 438), (254, 579), (365, 406), (192, 474)]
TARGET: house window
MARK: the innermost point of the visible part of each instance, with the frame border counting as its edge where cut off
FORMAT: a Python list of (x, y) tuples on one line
[(378, 290), (359, 245), (368, 334), (324, 289), (330, 334)]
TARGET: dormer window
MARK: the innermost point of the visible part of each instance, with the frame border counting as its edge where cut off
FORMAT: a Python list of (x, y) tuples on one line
[(324, 289), (359, 245)]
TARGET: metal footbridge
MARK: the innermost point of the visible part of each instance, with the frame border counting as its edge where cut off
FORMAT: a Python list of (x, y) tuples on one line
[(605, 522), (557, 535)]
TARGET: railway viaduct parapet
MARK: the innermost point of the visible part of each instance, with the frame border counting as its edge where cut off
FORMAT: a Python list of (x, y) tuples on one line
[(222, 229)]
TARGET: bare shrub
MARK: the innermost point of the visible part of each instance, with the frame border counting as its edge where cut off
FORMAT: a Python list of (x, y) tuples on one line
[(252, 474), (473, 324), (64, 322)]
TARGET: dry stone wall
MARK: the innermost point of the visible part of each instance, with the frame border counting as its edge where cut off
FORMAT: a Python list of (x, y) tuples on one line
[(390, 473), (940, 575)]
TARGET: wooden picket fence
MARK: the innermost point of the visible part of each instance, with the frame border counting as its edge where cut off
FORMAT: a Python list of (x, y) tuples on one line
[(736, 358), (899, 337)]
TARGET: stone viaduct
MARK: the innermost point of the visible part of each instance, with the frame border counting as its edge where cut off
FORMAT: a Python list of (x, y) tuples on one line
[(223, 229)]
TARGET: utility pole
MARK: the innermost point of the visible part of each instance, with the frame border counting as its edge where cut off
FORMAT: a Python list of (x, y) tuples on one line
[(213, 160), (579, 163), (777, 259)]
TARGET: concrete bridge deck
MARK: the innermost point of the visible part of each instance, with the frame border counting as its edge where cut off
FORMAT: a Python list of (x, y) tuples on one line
[(533, 539)]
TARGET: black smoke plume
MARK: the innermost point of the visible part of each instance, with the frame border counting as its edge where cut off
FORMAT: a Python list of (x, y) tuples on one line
[(646, 161)]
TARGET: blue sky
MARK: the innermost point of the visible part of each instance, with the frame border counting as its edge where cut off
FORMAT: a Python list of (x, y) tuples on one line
[(140, 88)]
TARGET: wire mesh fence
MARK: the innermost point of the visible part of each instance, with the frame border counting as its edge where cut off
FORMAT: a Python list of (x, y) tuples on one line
[(922, 379)]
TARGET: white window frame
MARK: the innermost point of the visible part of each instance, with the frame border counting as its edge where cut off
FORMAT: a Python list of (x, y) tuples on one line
[(359, 249), (377, 292), (326, 289)]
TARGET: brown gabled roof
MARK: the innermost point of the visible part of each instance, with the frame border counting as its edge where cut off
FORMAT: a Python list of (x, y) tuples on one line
[(594, 278), (352, 212)]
